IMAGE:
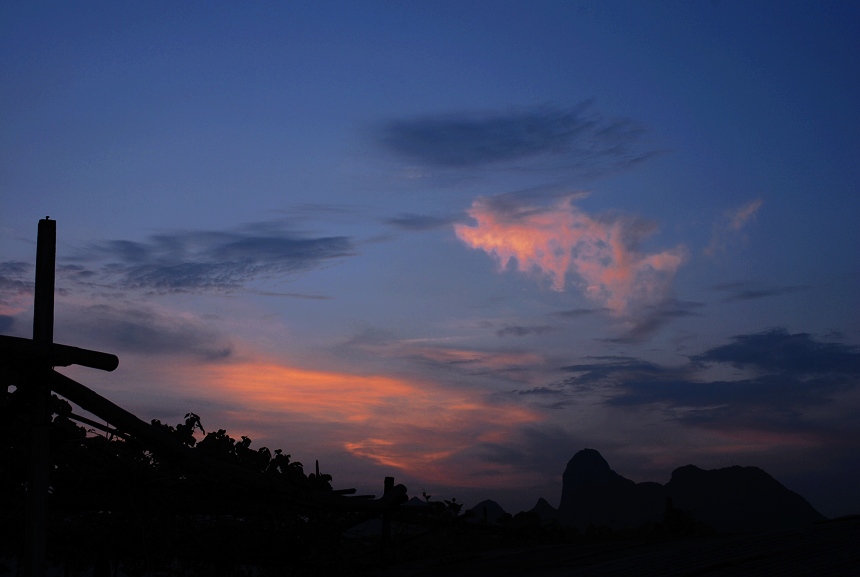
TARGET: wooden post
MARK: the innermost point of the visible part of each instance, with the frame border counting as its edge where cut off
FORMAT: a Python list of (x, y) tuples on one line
[(385, 537), (43, 305), (43, 338)]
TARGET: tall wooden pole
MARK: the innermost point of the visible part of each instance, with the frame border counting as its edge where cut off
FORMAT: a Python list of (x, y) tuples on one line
[(43, 338)]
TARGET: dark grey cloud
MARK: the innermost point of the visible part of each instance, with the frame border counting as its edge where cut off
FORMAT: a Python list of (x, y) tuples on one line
[(140, 330), (302, 296), (543, 449), (14, 268), (214, 261), (15, 287), (543, 137), (613, 370), (605, 365), (577, 313), (742, 291), (778, 351), (788, 373), (420, 222), (652, 318), (10, 287), (730, 286), (541, 391), (775, 393), (747, 295), (519, 331)]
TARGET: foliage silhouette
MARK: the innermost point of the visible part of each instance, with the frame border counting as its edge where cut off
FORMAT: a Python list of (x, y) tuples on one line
[(118, 505), (115, 502)]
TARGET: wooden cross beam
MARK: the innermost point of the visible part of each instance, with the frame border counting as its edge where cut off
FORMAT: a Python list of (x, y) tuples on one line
[(35, 359)]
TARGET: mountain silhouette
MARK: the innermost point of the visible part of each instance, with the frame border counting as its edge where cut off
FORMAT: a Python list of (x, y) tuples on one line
[(733, 499), (594, 494), (737, 499), (544, 510), (487, 511)]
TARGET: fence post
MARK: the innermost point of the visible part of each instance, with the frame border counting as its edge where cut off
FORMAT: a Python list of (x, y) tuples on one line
[(43, 338), (386, 520)]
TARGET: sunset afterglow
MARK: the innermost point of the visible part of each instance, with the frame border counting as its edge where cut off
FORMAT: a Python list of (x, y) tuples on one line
[(453, 242)]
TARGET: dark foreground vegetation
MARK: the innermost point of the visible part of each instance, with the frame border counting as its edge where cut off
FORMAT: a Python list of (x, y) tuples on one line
[(117, 507), (116, 503)]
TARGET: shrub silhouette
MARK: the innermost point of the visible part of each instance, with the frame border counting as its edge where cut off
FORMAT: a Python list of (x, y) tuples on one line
[(117, 503)]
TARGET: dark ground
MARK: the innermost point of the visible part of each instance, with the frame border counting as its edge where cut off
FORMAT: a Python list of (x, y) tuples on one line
[(830, 548)]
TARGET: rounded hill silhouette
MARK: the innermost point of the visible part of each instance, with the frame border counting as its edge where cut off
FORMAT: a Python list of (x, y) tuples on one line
[(739, 499), (731, 500)]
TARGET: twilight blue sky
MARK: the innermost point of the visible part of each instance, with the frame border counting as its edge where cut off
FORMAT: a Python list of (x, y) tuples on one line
[(454, 242)]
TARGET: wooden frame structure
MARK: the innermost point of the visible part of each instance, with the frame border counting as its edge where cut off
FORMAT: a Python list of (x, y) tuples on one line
[(34, 359)]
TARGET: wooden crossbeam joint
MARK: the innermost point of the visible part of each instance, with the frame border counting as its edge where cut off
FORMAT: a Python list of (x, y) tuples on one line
[(20, 353)]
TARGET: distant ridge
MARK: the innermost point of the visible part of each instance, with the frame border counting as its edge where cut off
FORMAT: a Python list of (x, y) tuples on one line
[(737, 499), (544, 510), (730, 500), (487, 511), (594, 494)]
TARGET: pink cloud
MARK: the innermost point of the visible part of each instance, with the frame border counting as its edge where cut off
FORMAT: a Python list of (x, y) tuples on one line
[(744, 214), (730, 225), (602, 254)]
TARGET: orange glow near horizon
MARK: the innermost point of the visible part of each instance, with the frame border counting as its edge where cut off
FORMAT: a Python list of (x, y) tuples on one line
[(412, 426), (561, 240)]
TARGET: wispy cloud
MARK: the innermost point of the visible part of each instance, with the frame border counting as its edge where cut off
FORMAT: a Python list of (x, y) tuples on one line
[(473, 359), (213, 260), (145, 330), (651, 318), (612, 370), (537, 138), (577, 313), (445, 356), (601, 253), (540, 391), (731, 225), (420, 222), (742, 291), (16, 291), (743, 215), (521, 331)]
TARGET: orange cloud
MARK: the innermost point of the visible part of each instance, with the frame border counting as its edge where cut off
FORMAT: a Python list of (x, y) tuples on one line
[(561, 240), (413, 426)]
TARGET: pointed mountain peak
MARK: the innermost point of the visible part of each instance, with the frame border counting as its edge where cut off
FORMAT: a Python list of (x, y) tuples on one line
[(544, 510), (487, 511)]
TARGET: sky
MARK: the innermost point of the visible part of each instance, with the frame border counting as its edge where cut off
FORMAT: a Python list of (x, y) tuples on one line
[(453, 242)]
